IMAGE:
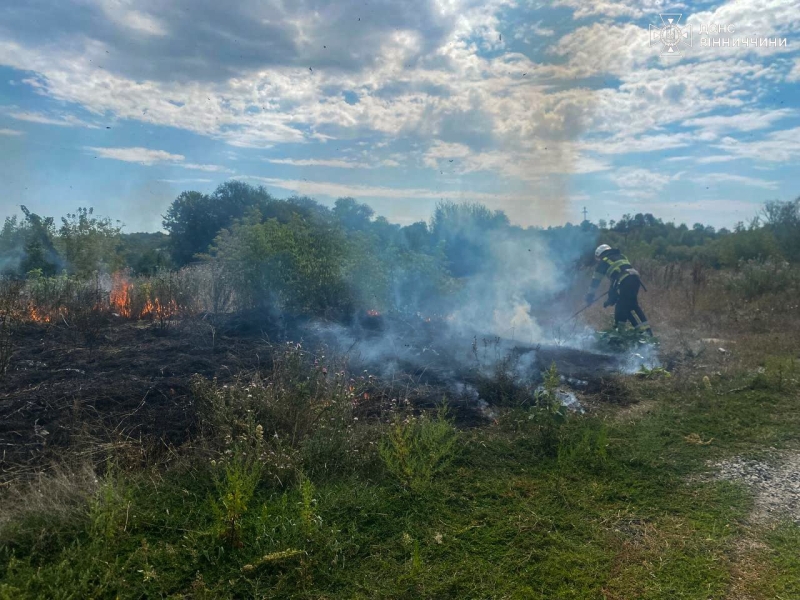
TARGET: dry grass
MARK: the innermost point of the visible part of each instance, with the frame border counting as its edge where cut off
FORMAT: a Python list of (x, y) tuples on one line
[(57, 495)]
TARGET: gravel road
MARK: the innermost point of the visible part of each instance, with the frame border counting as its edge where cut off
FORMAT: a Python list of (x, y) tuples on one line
[(776, 484)]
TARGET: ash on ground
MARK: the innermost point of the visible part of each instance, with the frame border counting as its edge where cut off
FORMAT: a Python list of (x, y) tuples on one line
[(128, 380), (775, 483)]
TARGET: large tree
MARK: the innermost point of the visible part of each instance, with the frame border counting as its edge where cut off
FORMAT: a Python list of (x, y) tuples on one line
[(89, 243), (194, 219), (39, 252), (783, 219)]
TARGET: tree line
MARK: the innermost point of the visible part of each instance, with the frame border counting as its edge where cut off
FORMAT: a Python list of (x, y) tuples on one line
[(245, 223)]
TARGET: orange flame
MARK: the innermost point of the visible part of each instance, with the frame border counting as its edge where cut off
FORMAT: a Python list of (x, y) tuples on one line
[(119, 298), (154, 308), (121, 301), (37, 316)]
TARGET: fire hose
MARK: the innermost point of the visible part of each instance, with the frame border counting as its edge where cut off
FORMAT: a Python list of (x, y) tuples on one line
[(590, 303), (602, 296)]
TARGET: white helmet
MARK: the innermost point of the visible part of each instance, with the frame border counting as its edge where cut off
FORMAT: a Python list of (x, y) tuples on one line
[(601, 249)]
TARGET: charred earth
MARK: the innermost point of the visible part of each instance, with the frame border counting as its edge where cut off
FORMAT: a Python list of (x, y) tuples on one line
[(124, 380)]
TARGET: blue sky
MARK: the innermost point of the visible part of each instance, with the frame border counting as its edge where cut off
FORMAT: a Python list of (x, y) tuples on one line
[(535, 108)]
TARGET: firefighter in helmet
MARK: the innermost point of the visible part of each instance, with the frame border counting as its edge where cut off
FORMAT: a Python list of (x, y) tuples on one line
[(623, 292)]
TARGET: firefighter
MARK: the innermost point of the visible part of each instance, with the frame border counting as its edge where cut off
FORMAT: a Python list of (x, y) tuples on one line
[(623, 290)]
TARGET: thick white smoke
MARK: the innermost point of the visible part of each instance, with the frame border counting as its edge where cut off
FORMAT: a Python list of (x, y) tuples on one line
[(501, 298)]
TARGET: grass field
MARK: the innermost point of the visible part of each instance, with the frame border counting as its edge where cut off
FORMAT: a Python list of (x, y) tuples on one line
[(620, 505)]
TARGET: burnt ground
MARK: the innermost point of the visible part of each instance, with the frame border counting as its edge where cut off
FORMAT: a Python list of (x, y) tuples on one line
[(122, 380)]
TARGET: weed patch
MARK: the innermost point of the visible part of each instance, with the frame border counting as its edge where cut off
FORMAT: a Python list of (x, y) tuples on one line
[(418, 448)]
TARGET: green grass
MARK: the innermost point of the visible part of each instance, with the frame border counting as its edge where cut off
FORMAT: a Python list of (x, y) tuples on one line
[(617, 514), (783, 559)]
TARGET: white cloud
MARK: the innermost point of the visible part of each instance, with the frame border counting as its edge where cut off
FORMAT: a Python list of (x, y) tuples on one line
[(149, 157), (647, 143), (616, 8), (761, 18), (638, 182), (144, 156), (777, 146), (707, 178), (209, 168), (716, 158), (642, 179), (651, 99), (11, 132), (318, 162), (529, 164), (123, 14), (794, 74), (187, 180), (744, 121), (703, 160), (43, 119), (528, 32), (441, 151)]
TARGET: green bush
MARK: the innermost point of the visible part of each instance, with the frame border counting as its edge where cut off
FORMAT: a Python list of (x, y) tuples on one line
[(549, 415), (622, 338), (418, 448), (296, 265), (89, 243), (754, 244), (756, 278), (305, 407), (236, 477)]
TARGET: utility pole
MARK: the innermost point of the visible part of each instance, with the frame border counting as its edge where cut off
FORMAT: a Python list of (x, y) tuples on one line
[(585, 212)]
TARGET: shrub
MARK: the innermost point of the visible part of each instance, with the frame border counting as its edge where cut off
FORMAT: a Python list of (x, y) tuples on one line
[(236, 477), (304, 405), (108, 511), (89, 243), (293, 265), (212, 286), (417, 449), (549, 414), (506, 385), (622, 338), (756, 278)]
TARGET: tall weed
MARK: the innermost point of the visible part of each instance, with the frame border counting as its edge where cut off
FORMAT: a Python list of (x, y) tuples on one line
[(416, 449), (549, 414), (305, 406)]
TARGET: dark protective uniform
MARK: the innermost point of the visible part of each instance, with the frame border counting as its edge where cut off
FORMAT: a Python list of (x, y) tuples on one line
[(623, 291)]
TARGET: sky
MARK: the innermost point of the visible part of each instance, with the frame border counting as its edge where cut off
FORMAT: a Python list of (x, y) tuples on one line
[(535, 108)]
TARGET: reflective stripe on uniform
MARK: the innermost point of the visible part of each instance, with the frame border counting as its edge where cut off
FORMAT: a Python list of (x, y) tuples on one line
[(615, 272), (615, 266)]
